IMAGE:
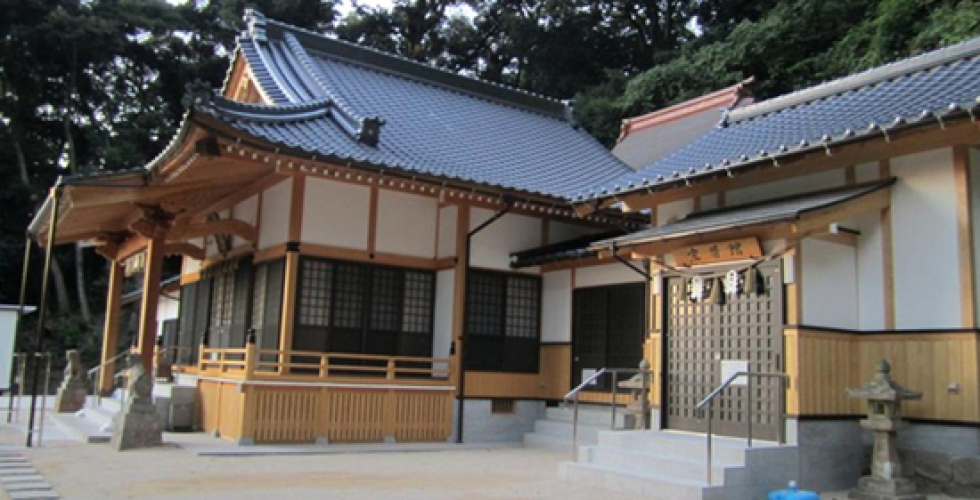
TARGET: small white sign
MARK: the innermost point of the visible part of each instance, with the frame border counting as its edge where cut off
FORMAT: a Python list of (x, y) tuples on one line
[(730, 367), (588, 372)]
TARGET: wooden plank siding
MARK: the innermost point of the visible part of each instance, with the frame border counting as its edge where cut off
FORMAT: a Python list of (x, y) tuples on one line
[(822, 364), (552, 382), (305, 414)]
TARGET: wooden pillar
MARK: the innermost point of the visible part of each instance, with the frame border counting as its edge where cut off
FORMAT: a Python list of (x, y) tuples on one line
[(961, 165), (110, 333), (289, 297), (151, 296), (459, 286)]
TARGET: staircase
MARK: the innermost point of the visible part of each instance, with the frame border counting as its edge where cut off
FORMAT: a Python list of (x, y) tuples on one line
[(672, 466), (554, 432), (92, 424)]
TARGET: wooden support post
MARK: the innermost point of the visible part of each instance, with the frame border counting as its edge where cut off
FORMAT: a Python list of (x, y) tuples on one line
[(251, 359), (289, 298), (961, 166), (110, 332), (147, 331), (459, 288)]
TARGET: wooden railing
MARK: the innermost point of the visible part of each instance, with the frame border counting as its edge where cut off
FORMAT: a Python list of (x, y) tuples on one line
[(253, 395), (252, 363)]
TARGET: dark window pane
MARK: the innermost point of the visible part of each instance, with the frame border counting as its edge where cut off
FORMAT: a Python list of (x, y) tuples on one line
[(485, 305), (315, 292), (419, 301), (523, 304), (349, 295), (386, 292)]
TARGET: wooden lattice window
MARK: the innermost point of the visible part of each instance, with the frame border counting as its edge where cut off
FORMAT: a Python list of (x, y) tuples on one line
[(503, 323)]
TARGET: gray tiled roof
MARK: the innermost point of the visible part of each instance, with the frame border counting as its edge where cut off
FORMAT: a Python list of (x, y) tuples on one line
[(781, 210), (925, 89), (427, 121)]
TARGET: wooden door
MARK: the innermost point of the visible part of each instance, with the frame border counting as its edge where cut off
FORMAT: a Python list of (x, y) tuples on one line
[(701, 335), (607, 329)]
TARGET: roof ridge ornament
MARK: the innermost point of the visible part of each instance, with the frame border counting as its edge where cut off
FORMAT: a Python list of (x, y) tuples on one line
[(256, 22)]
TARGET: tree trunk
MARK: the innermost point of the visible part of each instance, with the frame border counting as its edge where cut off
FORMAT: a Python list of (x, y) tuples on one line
[(60, 289)]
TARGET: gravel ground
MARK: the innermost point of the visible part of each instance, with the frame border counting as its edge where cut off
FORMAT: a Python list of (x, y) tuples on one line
[(95, 471)]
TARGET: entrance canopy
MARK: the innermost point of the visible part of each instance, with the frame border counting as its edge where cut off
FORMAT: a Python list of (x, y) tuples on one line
[(796, 216)]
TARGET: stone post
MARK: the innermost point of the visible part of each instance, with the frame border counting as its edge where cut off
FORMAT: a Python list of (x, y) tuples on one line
[(137, 425)]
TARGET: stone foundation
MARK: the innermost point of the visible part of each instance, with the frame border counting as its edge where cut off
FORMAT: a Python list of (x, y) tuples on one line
[(481, 425)]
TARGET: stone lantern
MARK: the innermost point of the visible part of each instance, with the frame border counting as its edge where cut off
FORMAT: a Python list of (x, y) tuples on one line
[(884, 398)]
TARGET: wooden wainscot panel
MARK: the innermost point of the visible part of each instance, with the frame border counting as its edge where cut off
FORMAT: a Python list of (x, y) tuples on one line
[(823, 363), (719, 251), (552, 381)]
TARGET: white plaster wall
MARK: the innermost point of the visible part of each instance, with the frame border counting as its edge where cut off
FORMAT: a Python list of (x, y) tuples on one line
[(867, 172), (336, 214), (511, 233), (673, 211), (607, 274), (189, 265), (556, 306), (870, 273), (274, 228), (562, 231), (442, 334), (786, 187), (924, 241), (447, 231), (974, 159), (406, 224), (709, 202), (167, 308), (245, 212), (830, 296)]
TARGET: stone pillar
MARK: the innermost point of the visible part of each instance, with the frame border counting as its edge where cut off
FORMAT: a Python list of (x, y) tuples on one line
[(110, 333), (72, 392), (151, 295)]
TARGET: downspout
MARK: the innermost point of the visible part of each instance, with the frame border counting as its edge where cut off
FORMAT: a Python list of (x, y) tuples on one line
[(509, 202), (43, 306)]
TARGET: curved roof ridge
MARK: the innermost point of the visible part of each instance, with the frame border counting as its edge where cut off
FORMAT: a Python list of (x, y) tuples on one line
[(394, 63), (895, 69)]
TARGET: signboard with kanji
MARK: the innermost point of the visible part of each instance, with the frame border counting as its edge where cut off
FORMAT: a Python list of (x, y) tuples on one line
[(721, 251)]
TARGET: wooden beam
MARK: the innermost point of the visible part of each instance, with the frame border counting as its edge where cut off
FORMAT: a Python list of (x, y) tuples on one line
[(242, 194), (964, 229), (290, 295), (373, 220), (235, 227), (819, 220)]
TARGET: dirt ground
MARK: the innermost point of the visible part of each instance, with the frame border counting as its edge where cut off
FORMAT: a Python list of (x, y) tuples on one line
[(95, 471)]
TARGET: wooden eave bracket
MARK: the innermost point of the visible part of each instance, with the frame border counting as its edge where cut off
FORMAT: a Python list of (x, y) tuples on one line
[(234, 227)]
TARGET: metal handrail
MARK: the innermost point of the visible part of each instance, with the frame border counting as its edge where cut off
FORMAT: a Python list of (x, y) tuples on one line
[(573, 394), (709, 400), (91, 373)]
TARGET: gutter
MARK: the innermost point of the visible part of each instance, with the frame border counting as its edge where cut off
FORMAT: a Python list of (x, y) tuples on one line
[(509, 204)]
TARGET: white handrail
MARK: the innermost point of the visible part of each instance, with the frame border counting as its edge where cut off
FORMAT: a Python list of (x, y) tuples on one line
[(574, 392)]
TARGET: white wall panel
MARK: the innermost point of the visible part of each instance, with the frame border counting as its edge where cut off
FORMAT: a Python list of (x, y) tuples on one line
[(274, 228), (830, 296), (511, 233), (924, 241), (674, 211), (608, 274), (245, 212), (406, 224), (447, 231), (871, 273), (556, 306), (336, 214), (442, 335), (786, 187)]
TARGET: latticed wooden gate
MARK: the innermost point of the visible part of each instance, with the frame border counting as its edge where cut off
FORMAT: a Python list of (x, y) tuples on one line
[(701, 335)]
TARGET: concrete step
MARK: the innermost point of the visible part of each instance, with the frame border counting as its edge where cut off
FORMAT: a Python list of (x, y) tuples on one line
[(586, 433), (680, 445), (81, 428), (587, 414), (648, 483), (653, 461)]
